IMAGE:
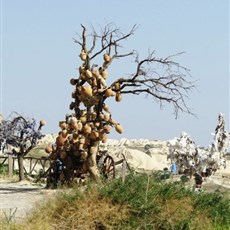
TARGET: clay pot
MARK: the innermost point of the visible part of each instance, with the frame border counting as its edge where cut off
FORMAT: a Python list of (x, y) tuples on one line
[(60, 141), (80, 125), (75, 135), (64, 133), (74, 94), (73, 81), (63, 125), (106, 57), (94, 135), (104, 73), (86, 129), (83, 55), (42, 122), (83, 119), (94, 83), (102, 82), (82, 140), (97, 124), (74, 125), (104, 140), (107, 117), (72, 105), (96, 73), (117, 86), (107, 128), (105, 107), (101, 116), (109, 92), (48, 149), (118, 96), (86, 91), (93, 115), (119, 128), (88, 73), (81, 69)]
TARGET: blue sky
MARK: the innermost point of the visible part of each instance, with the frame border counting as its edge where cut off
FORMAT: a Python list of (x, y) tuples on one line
[(39, 57)]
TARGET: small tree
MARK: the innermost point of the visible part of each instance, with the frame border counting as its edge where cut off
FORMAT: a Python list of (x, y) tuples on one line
[(19, 132), (92, 119)]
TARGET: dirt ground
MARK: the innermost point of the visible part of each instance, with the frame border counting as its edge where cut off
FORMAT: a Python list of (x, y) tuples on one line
[(19, 198)]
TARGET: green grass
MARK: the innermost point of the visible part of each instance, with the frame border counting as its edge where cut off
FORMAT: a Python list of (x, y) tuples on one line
[(142, 202)]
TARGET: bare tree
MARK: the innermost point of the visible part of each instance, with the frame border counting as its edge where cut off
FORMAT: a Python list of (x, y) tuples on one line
[(18, 133), (92, 120)]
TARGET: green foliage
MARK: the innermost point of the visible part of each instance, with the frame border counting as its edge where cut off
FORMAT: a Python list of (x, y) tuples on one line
[(141, 202), (3, 169), (216, 206)]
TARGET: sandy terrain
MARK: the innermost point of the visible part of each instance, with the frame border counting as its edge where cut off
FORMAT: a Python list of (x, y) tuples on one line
[(17, 199)]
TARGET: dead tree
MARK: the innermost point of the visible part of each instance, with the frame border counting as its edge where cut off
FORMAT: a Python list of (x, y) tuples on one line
[(19, 134), (83, 130)]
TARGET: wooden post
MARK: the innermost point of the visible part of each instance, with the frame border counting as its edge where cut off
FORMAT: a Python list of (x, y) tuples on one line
[(123, 170), (10, 165)]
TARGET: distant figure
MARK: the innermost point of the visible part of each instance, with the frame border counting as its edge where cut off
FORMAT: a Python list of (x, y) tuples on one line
[(174, 168), (198, 181)]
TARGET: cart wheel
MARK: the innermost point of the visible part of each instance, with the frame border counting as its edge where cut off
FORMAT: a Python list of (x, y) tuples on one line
[(108, 168)]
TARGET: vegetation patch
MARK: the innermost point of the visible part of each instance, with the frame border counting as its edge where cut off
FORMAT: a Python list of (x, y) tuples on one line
[(141, 202)]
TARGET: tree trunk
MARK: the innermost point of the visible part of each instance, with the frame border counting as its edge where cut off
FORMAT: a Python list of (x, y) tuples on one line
[(21, 168), (92, 164)]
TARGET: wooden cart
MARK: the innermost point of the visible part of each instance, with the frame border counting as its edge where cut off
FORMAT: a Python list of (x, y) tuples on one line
[(71, 170)]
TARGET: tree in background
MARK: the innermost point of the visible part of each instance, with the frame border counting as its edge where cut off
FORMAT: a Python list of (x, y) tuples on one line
[(20, 134), (91, 120)]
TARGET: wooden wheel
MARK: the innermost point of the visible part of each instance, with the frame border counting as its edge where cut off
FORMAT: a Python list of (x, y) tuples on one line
[(108, 168)]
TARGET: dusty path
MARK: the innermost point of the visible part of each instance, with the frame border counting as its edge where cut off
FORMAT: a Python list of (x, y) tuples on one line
[(18, 199)]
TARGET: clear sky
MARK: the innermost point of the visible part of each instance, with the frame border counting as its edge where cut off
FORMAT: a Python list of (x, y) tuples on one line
[(39, 57)]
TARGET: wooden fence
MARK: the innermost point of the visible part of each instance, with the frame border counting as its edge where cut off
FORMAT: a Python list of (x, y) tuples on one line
[(33, 164)]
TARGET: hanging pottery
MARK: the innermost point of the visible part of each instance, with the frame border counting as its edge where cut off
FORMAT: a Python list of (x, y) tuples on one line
[(105, 107), (63, 125), (119, 128), (107, 128), (97, 124), (82, 140), (102, 81), (86, 91), (81, 69), (88, 73), (106, 57), (117, 86), (104, 73), (83, 55), (48, 149), (96, 73), (86, 129), (42, 122), (73, 81), (94, 83), (109, 92), (94, 135), (83, 119), (118, 96), (107, 117)]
